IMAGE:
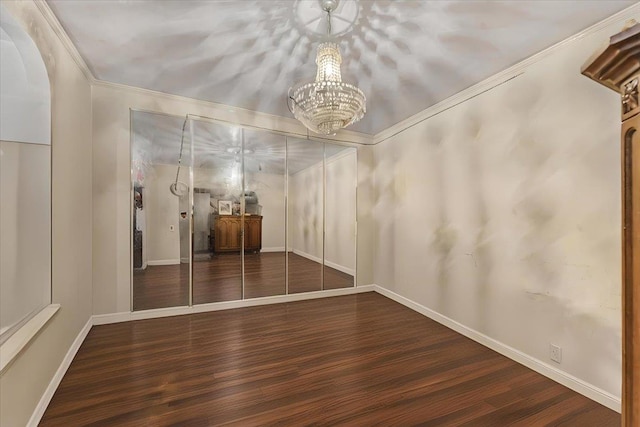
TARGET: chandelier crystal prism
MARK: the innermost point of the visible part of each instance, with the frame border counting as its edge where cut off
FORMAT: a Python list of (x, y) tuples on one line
[(327, 104)]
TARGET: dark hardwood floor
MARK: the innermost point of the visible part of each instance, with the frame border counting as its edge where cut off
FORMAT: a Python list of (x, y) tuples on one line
[(352, 360), (219, 279)]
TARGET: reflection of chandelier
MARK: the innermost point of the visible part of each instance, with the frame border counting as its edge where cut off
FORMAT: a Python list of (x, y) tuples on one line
[(327, 105)]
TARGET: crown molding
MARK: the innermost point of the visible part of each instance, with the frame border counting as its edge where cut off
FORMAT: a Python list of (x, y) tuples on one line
[(502, 77), (58, 29)]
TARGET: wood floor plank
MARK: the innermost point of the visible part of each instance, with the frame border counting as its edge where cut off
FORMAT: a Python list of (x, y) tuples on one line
[(352, 360)]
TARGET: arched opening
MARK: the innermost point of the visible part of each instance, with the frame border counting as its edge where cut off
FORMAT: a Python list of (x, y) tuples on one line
[(25, 178)]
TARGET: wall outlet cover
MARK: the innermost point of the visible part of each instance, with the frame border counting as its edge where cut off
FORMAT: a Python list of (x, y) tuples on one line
[(555, 353)]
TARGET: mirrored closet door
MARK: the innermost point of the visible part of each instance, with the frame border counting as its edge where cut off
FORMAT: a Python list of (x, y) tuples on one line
[(224, 213), (264, 214), (160, 208), (340, 216), (305, 248), (217, 221)]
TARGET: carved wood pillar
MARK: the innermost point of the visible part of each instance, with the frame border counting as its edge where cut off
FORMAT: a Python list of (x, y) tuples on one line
[(618, 68)]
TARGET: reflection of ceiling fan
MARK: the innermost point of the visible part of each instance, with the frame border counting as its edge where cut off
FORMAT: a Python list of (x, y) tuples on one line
[(314, 19)]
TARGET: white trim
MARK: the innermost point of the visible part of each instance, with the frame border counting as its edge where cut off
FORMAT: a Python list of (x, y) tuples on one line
[(165, 261), (576, 384), (57, 377), (342, 268), (340, 155), (10, 349), (105, 319), (307, 255), (502, 76), (349, 271), (273, 249), (329, 160), (59, 31)]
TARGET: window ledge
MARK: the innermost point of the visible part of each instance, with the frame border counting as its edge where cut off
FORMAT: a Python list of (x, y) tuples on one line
[(19, 340)]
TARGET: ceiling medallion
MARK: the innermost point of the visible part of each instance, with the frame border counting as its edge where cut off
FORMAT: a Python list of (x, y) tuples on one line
[(327, 104)]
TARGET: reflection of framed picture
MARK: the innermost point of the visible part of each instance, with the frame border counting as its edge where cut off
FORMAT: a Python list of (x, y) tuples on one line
[(224, 207)]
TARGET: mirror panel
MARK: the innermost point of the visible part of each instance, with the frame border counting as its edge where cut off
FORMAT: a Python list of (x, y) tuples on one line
[(264, 219), (253, 213), (160, 216), (25, 244), (25, 179), (217, 231), (341, 181), (305, 169)]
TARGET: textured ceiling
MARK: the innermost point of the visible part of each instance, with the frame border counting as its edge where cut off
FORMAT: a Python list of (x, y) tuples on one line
[(405, 55)]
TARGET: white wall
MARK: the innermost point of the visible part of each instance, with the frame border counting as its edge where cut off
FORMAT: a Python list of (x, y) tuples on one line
[(503, 213), (24, 381), (365, 202)]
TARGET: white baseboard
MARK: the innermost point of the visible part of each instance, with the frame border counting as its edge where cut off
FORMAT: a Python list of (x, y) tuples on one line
[(592, 392), (57, 377), (333, 265), (105, 319), (273, 249), (349, 271), (164, 262), (307, 255)]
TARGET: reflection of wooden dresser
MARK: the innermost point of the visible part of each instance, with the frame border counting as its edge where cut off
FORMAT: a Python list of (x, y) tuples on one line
[(227, 233)]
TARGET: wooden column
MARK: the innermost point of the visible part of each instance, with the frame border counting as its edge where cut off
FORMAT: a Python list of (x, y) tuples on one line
[(618, 68)]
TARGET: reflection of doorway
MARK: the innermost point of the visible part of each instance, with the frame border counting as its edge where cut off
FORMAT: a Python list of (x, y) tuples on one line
[(618, 69), (138, 227)]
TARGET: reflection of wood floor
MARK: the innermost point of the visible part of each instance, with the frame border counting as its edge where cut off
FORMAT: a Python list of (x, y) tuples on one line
[(219, 279), (354, 360)]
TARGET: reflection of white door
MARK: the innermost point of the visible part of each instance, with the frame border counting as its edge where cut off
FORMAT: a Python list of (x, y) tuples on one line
[(201, 210)]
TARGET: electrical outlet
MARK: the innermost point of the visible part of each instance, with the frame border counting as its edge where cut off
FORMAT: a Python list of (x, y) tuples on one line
[(555, 353), (172, 228)]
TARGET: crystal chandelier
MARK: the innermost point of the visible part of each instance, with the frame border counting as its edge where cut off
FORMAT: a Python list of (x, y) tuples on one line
[(327, 104)]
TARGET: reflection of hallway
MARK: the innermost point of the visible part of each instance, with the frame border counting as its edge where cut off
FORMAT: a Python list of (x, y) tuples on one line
[(219, 279)]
